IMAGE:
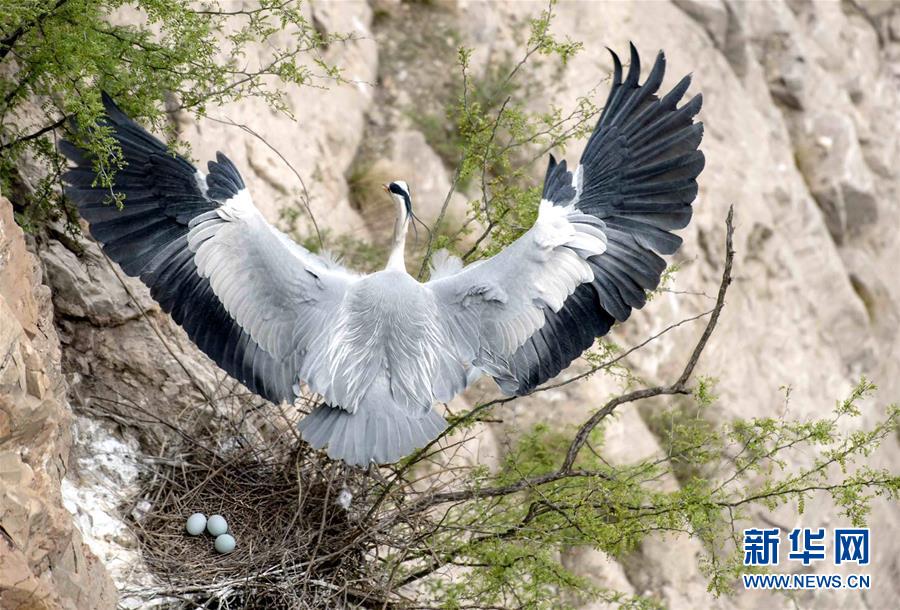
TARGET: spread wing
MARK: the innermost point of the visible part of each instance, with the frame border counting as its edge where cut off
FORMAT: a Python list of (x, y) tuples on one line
[(526, 313), (253, 300)]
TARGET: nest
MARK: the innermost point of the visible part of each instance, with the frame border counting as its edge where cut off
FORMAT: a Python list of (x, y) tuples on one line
[(297, 546)]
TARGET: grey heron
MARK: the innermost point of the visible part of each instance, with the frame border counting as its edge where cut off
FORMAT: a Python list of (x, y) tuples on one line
[(382, 349)]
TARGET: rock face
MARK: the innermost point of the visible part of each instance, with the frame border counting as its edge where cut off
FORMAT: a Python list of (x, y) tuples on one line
[(319, 146), (801, 115), (43, 562), (802, 110)]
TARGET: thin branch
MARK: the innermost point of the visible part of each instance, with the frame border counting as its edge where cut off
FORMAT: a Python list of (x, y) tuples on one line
[(486, 199), (429, 250), (9, 42), (457, 173), (624, 354), (566, 469), (306, 200), (680, 386), (37, 134)]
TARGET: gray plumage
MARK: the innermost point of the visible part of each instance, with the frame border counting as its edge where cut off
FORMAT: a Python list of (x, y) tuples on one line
[(382, 349)]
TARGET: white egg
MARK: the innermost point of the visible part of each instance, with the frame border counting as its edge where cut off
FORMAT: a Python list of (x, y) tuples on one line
[(225, 543), (217, 525), (196, 523)]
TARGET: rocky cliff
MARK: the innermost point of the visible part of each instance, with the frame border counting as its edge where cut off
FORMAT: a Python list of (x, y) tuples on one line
[(44, 562), (802, 112)]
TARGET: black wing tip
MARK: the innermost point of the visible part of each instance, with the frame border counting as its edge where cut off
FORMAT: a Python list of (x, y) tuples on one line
[(557, 182), (683, 84), (699, 102), (72, 152), (634, 65), (107, 100), (224, 167), (112, 110), (617, 67), (702, 129), (699, 157)]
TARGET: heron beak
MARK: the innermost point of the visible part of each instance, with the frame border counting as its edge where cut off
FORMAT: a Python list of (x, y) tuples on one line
[(386, 188)]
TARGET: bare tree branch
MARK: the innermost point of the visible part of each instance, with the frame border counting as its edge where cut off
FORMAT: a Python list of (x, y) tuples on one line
[(680, 386), (7, 43), (566, 470)]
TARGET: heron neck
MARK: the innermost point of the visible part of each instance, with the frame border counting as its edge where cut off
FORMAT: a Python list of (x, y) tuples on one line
[(397, 260)]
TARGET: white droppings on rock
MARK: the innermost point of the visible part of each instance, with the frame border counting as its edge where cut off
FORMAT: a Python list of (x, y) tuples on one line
[(140, 510), (764, 111), (107, 475)]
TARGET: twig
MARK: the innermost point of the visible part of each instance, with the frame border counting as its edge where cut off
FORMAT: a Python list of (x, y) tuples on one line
[(429, 250), (290, 166), (567, 470), (680, 386), (7, 43), (37, 134)]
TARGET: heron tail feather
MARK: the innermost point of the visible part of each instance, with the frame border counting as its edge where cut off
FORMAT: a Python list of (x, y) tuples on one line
[(382, 434)]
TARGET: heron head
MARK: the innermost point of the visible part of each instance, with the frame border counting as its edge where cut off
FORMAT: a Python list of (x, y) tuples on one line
[(399, 191)]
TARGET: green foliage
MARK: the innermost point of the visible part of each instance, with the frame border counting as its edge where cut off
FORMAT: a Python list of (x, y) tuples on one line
[(608, 357), (543, 41), (519, 519), (665, 281), (687, 436), (536, 452), (447, 133), (58, 55), (503, 531), (492, 138)]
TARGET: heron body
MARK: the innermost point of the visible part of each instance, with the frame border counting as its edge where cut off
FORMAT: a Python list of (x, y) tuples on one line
[(383, 349), (384, 360)]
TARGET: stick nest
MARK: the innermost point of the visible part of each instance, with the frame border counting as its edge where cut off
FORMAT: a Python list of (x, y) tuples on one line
[(296, 545)]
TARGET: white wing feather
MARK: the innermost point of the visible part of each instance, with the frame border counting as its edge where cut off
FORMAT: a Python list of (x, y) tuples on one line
[(492, 308)]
